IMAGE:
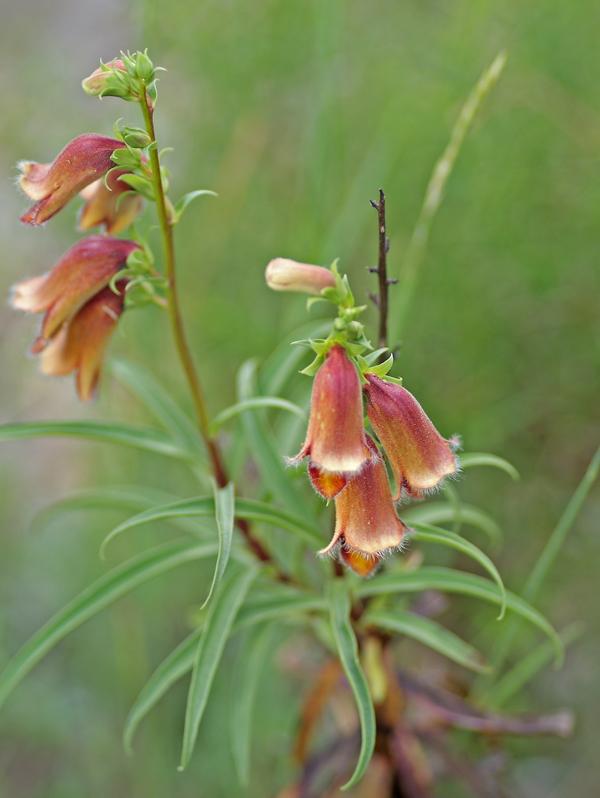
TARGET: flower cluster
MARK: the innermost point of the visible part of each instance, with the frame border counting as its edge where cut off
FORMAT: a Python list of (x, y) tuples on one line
[(83, 296), (344, 462)]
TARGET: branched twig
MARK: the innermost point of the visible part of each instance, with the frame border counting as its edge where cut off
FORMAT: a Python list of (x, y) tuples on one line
[(381, 299)]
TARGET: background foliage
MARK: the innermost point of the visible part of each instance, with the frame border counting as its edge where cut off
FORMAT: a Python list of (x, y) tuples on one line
[(295, 113)]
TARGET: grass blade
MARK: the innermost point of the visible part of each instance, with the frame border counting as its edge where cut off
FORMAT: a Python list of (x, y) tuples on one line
[(451, 581), (99, 595), (221, 615), (430, 633), (225, 512), (445, 512), (347, 647), (249, 404), (148, 438), (248, 670), (179, 662), (433, 534), (469, 459), (279, 604)]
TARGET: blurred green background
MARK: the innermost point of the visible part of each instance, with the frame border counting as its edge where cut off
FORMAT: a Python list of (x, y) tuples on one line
[(296, 112)]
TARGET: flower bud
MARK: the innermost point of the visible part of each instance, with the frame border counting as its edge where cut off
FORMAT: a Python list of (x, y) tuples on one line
[(335, 439), (419, 456), (144, 66), (283, 274), (81, 162), (110, 80), (136, 137)]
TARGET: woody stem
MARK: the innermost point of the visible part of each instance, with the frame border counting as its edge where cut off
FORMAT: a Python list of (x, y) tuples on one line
[(174, 310), (384, 282)]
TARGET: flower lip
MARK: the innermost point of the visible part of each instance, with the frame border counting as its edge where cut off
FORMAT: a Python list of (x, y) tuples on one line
[(81, 162), (335, 439), (366, 519), (419, 456)]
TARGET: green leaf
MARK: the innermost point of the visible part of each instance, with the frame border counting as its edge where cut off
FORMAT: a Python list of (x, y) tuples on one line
[(249, 667), (225, 512), (140, 184), (221, 615), (277, 605), (257, 401), (182, 204), (339, 603), (442, 512), (179, 662), (433, 534), (244, 508), (469, 459), (451, 581), (148, 438), (264, 451), (430, 633), (144, 385), (99, 595)]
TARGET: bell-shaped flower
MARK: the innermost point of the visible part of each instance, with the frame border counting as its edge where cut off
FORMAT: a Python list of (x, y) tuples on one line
[(107, 206), (419, 456), (283, 274), (83, 160), (335, 440), (81, 273), (365, 516), (81, 343)]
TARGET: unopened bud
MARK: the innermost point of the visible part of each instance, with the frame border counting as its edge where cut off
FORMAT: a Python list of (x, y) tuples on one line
[(283, 274), (135, 137), (144, 66), (110, 80)]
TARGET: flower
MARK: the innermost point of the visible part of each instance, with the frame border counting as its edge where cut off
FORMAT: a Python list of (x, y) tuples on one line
[(365, 518), (419, 456), (103, 80), (81, 273), (107, 206), (81, 342), (283, 274), (362, 564), (83, 160), (335, 440)]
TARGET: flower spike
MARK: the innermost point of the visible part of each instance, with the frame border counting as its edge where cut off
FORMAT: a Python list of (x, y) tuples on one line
[(419, 456), (81, 162)]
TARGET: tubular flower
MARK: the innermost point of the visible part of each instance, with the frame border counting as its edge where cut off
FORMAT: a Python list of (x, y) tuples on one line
[(366, 521), (83, 160), (335, 440), (107, 206), (419, 456), (283, 274), (81, 342), (81, 273)]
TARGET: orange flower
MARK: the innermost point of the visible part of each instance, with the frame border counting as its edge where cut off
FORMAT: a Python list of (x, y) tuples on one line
[(83, 160), (81, 343), (107, 206), (361, 564), (366, 521), (419, 456), (335, 439), (81, 273)]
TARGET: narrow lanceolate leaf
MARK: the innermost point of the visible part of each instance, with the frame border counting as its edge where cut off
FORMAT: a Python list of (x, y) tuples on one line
[(143, 384), (468, 459), (95, 598), (278, 605), (225, 511), (434, 534), (445, 512), (221, 615), (430, 633), (148, 438), (244, 508), (339, 603), (256, 402), (248, 670), (179, 662), (451, 581), (262, 446)]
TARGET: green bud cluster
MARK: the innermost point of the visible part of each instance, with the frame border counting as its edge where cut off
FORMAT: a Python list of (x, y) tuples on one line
[(123, 77)]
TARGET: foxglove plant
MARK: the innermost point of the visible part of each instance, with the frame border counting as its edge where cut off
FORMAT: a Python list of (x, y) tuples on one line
[(354, 613)]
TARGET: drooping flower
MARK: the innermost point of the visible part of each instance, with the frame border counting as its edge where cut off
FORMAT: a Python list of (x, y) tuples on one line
[(81, 343), (335, 440), (81, 273), (83, 161), (107, 206), (419, 456), (366, 520), (283, 274)]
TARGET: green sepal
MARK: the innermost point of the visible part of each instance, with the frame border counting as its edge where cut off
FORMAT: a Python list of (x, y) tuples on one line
[(182, 203), (152, 92), (381, 369), (395, 380), (117, 130), (140, 184), (127, 158), (313, 367), (372, 356)]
